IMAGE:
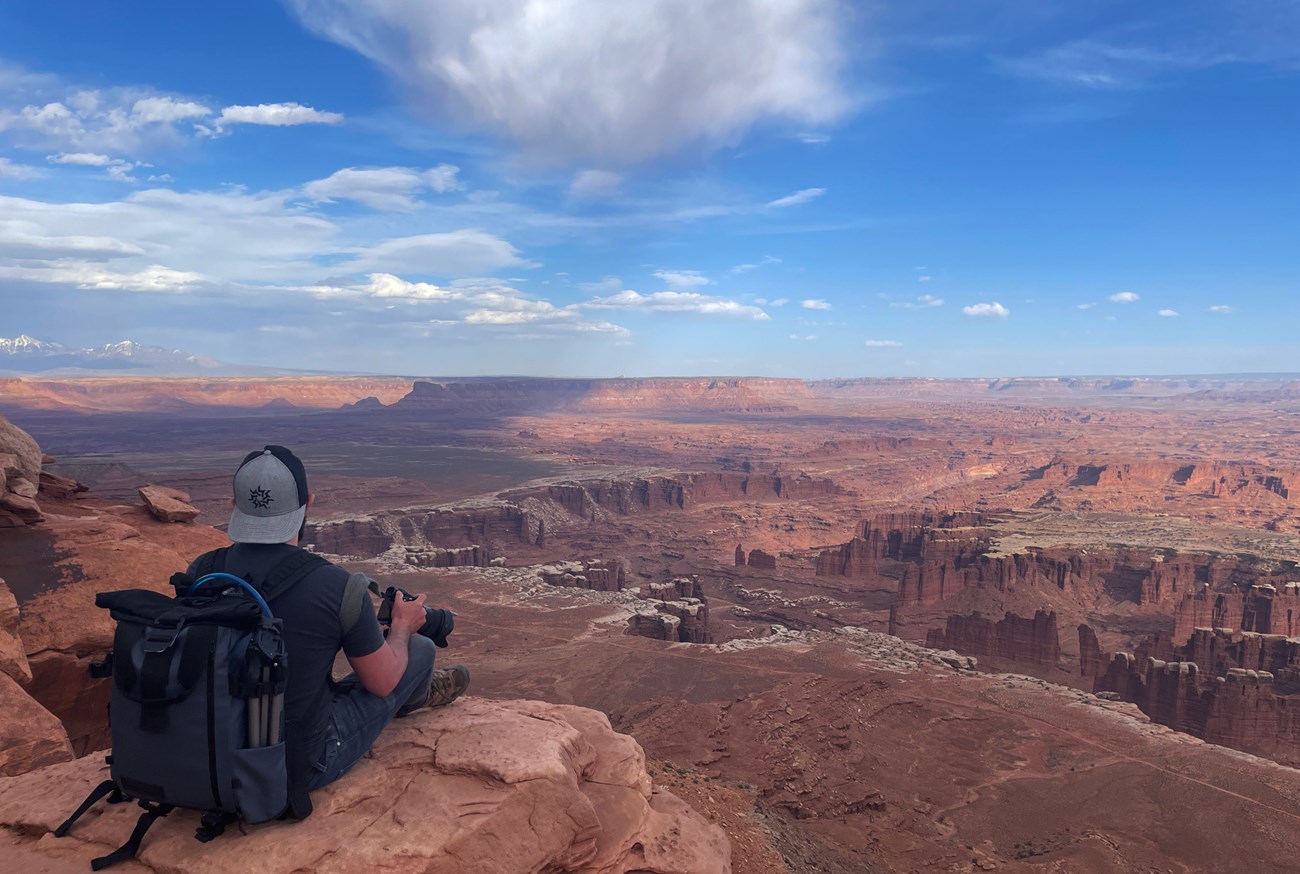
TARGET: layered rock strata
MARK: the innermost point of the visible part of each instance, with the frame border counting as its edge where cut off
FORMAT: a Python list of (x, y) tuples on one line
[(595, 575), (1014, 638), (681, 612), (1238, 689)]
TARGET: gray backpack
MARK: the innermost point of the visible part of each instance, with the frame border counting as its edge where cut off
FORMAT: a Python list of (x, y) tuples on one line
[(197, 705)]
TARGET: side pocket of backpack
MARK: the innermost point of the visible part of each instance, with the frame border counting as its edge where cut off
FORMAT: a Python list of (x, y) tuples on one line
[(260, 782)]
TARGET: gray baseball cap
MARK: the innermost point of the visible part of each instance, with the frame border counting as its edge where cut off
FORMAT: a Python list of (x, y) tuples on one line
[(270, 497)]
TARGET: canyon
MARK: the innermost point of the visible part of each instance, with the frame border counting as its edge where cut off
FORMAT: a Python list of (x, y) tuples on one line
[(789, 593)]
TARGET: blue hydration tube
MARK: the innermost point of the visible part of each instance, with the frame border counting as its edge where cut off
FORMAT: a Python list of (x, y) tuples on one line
[(231, 578)]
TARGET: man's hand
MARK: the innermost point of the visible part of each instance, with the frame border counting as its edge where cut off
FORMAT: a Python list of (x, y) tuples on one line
[(408, 616)]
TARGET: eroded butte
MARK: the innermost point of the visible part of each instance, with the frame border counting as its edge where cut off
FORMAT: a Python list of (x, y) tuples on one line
[(863, 625)]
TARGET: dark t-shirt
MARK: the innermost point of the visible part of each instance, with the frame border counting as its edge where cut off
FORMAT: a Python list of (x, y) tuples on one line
[(313, 635)]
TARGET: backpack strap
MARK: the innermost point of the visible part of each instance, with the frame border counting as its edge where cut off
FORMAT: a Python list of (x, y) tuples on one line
[(210, 562), (95, 794), (288, 572), (350, 606), (128, 850)]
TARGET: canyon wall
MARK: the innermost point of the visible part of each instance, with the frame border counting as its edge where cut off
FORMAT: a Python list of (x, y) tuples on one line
[(519, 396), (1013, 638), (1240, 689)]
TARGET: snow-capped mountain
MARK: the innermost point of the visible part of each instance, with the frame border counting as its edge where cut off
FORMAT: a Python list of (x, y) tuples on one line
[(27, 354)]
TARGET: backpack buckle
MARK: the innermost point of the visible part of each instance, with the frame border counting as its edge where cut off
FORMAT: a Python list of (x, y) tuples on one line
[(158, 639)]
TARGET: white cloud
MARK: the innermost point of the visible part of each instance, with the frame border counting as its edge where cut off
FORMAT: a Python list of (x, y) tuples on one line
[(803, 336), (678, 302), (922, 302), (779, 302), (881, 344), (464, 252), (1168, 314), (480, 303), (813, 139), (595, 184), (613, 82), (802, 196), (82, 159), (994, 309), (276, 115), (165, 110), (1222, 309), (924, 278), (815, 304), (682, 278), (10, 170), (1085, 306), (94, 120), (27, 241), (114, 168), (384, 188), (1125, 297)]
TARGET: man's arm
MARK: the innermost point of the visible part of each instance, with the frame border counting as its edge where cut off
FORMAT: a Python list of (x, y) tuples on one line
[(380, 671)]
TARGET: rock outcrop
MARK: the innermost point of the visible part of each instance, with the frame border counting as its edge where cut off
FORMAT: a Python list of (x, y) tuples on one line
[(168, 505), (20, 474), (435, 556), (681, 612), (1013, 638), (596, 575), (496, 787), (761, 560), (1237, 689), (30, 736)]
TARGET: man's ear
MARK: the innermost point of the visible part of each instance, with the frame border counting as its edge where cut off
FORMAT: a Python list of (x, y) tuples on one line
[(311, 496)]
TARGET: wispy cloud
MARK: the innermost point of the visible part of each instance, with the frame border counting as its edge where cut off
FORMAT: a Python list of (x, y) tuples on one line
[(126, 119), (815, 304), (1168, 313), (881, 344), (778, 302), (678, 302), (1125, 297), (1222, 309), (925, 301), (1085, 306), (678, 279), (802, 196), (10, 170), (605, 285), (745, 268), (1103, 65), (592, 184), (803, 336), (986, 310), (384, 188)]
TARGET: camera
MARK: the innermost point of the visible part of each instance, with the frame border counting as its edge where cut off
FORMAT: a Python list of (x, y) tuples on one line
[(437, 623)]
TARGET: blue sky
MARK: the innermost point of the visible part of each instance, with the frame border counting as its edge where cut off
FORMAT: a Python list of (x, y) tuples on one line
[(559, 187)]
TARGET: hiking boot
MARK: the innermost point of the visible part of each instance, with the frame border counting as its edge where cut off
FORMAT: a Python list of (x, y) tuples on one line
[(447, 685)]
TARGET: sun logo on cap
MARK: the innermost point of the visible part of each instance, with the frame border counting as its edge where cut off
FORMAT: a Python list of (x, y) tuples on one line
[(260, 497)]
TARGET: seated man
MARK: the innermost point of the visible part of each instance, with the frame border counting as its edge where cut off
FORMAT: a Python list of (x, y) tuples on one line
[(329, 726)]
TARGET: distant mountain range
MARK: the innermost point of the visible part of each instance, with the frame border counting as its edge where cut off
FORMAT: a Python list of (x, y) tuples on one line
[(25, 354)]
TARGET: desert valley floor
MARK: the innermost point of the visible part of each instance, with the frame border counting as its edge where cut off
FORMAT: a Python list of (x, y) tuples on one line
[(862, 625)]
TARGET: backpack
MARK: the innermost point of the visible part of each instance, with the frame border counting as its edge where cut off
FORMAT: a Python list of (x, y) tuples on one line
[(197, 705)]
